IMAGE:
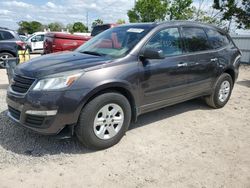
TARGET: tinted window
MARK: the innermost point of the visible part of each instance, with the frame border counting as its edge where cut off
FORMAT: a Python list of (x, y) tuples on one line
[(195, 39), (167, 40), (4, 35), (217, 39), (98, 29)]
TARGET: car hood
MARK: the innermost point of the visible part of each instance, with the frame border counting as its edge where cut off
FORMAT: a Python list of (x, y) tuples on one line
[(58, 62)]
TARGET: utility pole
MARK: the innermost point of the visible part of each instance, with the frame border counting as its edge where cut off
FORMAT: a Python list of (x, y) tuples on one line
[(87, 19)]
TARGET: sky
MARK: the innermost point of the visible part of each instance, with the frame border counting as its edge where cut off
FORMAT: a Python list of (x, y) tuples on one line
[(64, 11)]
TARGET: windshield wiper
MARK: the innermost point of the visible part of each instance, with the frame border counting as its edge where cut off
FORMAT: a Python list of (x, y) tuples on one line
[(92, 53)]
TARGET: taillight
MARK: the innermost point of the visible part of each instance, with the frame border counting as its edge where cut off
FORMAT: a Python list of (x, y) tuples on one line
[(21, 44)]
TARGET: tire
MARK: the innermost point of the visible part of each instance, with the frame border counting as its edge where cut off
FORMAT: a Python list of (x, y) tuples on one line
[(216, 99), (4, 55), (93, 136)]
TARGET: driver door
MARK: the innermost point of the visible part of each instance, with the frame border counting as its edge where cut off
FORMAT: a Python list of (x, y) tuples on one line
[(163, 81)]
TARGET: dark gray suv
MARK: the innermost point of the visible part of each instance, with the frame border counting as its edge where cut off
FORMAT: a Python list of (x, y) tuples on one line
[(121, 73), (10, 43)]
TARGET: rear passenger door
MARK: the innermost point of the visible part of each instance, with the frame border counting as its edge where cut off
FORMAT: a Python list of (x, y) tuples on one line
[(201, 59)]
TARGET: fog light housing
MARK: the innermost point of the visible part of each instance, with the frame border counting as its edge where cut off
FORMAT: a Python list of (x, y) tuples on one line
[(42, 113)]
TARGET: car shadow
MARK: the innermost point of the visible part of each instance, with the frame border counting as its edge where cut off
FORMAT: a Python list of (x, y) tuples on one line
[(25, 142), (245, 83)]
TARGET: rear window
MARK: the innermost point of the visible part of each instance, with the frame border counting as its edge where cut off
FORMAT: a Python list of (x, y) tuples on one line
[(195, 39), (98, 29), (5, 35), (217, 39)]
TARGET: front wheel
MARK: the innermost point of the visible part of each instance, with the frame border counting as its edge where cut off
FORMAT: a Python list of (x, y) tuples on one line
[(221, 92), (104, 121)]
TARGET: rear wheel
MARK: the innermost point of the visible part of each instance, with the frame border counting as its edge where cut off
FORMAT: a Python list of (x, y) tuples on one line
[(221, 92), (3, 57), (104, 121)]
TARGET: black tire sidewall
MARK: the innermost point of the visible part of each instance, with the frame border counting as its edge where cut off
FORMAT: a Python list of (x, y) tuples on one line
[(85, 131), (5, 53), (222, 78)]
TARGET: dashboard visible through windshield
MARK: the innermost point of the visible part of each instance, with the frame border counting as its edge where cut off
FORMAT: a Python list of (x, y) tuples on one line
[(115, 42)]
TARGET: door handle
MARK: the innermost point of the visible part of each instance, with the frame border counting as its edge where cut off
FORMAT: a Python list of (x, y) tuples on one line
[(213, 59), (182, 64)]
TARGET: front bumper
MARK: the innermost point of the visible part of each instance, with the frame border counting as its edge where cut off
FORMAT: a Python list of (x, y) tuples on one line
[(29, 110)]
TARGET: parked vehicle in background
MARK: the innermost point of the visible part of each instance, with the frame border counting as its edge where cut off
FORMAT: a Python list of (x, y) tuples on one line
[(23, 37), (100, 28), (10, 43), (56, 42), (120, 74), (35, 42)]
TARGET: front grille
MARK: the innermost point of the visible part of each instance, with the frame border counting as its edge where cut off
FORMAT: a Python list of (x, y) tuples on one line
[(14, 113), (21, 84), (33, 120)]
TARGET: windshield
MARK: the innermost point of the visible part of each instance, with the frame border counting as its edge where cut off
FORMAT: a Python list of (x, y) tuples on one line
[(30, 37), (115, 42)]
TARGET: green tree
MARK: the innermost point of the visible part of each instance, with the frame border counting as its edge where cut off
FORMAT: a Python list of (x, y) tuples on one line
[(69, 27), (97, 22), (243, 17), (55, 26), (148, 11), (79, 27), (203, 16), (29, 27), (234, 11), (181, 10), (120, 21)]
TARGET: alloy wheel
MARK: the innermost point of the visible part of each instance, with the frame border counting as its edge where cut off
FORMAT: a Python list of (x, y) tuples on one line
[(224, 91), (108, 121)]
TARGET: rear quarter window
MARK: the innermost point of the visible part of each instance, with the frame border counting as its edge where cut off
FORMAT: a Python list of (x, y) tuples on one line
[(217, 39), (195, 39)]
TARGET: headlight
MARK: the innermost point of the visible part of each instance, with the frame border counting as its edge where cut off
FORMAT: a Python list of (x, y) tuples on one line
[(57, 81)]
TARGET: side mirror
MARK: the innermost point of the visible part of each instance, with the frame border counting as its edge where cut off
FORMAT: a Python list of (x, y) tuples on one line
[(152, 53)]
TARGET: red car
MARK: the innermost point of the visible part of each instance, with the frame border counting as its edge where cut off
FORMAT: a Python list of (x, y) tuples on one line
[(56, 42)]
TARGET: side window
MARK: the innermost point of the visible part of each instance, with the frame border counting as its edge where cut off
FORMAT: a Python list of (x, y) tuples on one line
[(217, 39), (42, 37), (195, 39), (1, 35), (167, 40), (39, 38), (4, 35)]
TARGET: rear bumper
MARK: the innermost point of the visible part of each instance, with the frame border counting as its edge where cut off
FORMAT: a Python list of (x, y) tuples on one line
[(63, 109)]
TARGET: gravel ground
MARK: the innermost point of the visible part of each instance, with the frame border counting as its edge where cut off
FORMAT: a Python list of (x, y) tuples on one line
[(185, 145)]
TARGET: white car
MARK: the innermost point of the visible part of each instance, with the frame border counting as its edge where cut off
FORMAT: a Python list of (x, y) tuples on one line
[(35, 41)]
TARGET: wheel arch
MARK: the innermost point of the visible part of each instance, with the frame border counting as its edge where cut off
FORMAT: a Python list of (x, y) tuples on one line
[(231, 72), (114, 87), (7, 51)]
